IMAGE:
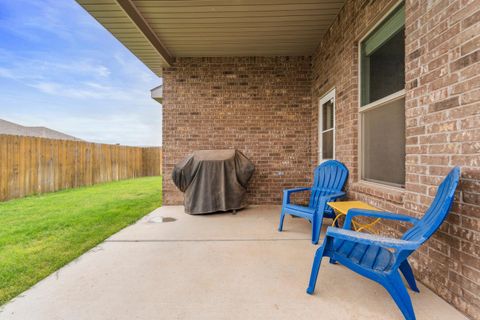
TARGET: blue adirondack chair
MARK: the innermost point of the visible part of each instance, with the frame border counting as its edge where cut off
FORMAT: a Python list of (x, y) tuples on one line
[(382, 259), (329, 179)]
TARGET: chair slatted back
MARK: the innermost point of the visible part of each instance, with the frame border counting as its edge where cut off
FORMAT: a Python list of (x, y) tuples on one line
[(438, 210), (329, 177)]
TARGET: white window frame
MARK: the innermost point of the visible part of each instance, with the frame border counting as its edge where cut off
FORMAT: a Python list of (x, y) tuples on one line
[(329, 96), (373, 105)]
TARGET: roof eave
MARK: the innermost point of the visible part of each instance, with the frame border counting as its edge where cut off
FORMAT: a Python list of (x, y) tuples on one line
[(108, 13), (157, 93)]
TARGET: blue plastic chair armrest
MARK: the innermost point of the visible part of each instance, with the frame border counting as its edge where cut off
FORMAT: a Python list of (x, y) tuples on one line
[(371, 239), (322, 201), (335, 195), (295, 190), (288, 192), (329, 197), (376, 214)]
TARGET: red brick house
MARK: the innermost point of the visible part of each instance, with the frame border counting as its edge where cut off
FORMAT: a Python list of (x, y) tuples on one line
[(390, 88)]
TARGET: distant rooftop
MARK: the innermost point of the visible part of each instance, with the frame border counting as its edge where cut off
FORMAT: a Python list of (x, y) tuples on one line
[(7, 127)]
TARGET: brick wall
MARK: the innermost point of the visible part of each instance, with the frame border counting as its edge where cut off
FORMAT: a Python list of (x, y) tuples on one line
[(268, 108), (260, 106), (442, 129)]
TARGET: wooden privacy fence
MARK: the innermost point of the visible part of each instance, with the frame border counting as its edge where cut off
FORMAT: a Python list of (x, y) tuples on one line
[(30, 165), (152, 161)]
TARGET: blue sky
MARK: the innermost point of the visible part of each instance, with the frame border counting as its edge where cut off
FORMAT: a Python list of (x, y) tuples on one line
[(61, 69)]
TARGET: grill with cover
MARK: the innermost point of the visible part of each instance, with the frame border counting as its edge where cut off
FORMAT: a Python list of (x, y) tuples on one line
[(213, 180)]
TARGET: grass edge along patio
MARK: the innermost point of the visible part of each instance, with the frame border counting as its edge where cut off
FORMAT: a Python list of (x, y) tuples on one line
[(41, 234)]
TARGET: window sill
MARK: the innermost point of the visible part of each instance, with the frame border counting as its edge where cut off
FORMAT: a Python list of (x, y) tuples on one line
[(391, 194)]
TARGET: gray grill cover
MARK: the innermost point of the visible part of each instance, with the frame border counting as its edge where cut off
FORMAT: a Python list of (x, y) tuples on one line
[(213, 180)]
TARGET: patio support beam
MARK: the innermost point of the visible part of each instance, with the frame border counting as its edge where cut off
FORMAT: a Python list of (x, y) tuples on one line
[(134, 14)]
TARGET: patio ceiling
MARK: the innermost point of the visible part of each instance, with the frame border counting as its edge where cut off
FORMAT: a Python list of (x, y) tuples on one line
[(157, 31)]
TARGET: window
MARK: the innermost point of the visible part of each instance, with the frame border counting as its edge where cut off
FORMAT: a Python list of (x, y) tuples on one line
[(326, 127), (382, 101)]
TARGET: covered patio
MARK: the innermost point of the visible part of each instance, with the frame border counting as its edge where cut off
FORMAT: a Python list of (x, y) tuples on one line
[(389, 88), (220, 266)]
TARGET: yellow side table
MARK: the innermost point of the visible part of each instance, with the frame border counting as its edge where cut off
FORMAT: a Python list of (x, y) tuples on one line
[(341, 208)]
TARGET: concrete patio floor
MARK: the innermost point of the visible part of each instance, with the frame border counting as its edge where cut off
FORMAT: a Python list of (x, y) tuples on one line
[(220, 266)]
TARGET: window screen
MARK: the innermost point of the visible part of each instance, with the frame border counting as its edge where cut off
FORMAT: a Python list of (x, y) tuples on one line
[(383, 122), (384, 143)]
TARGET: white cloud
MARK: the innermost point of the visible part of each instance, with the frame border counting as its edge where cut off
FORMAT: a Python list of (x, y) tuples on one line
[(5, 73), (89, 90)]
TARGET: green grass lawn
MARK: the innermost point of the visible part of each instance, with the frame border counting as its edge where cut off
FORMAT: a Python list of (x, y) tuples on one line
[(40, 234)]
